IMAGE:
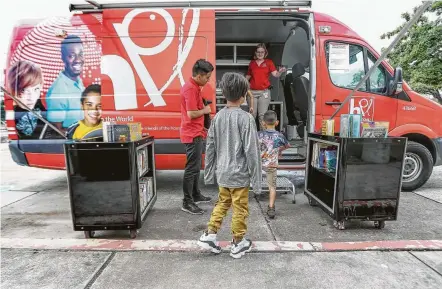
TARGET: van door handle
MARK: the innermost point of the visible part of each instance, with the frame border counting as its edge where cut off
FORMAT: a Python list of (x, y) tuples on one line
[(333, 103)]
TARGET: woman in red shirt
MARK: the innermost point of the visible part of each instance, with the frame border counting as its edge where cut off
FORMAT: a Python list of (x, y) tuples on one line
[(258, 74)]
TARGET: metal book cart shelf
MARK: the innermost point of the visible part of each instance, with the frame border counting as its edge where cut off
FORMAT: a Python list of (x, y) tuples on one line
[(366, 182), (112, 186)]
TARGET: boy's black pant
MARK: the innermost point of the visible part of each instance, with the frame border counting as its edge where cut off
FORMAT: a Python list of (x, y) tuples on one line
[(194, 152)]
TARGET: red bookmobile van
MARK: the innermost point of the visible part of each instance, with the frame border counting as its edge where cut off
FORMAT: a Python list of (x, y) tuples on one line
[(142, 53)]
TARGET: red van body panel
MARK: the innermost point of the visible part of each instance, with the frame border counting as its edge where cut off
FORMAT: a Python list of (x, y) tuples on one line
[(142, 57)]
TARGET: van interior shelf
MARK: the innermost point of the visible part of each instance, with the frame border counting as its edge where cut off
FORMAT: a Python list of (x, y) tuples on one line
[(234, 54)]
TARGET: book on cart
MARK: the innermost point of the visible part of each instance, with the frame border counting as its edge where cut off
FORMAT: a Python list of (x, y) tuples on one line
[(328, 127), (350, 125), (113, 132), (375, 129), (142, 161), (324, 157)]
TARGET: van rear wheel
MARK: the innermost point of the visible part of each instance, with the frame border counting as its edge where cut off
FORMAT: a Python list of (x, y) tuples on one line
[(418, 166)]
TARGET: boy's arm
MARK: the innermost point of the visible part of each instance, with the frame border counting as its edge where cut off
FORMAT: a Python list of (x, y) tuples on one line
[(210, 158), (251, 149), (284, 144)]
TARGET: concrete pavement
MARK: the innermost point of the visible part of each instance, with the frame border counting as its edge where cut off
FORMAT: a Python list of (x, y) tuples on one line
[(108, 270), (40, 249), (46, 214)]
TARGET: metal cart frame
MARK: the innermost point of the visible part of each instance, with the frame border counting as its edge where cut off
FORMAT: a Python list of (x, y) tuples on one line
[(366, 184), (104, 184)]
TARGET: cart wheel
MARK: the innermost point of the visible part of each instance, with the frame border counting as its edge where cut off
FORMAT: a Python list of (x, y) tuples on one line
[(293, 201), (133, 233), (339, 225), (379, 224), (89, 234), (311, 202)]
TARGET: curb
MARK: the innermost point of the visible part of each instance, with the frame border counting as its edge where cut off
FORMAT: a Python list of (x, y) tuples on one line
[(191, 246)]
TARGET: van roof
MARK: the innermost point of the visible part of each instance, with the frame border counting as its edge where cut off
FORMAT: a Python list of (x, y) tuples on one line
[(341, 28)]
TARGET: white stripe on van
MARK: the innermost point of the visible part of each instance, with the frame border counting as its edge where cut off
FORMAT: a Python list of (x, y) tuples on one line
[(9, 115)]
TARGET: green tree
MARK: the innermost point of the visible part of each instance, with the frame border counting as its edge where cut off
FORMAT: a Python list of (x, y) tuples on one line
[(419, 53)]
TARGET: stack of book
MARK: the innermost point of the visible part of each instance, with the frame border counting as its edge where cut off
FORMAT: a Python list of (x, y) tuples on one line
[(146, 192), (113, 132), (352, 126)]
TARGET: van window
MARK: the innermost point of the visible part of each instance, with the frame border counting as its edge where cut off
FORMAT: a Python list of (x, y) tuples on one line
[(378, 83), (354, 70)]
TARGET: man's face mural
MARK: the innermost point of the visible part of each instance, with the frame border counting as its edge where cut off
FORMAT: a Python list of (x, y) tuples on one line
[(72, 56)]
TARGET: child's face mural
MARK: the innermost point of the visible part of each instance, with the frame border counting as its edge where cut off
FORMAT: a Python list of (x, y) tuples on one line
[(92, 109), (30, 95)]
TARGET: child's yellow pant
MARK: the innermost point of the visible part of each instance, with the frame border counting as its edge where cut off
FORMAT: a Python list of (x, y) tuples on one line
[(239, 199)]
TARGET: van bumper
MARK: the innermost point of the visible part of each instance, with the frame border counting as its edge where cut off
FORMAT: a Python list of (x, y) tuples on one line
[(18, 156), (438, 145)]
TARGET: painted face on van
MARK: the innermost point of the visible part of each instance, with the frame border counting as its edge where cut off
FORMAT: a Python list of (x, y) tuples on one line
[(91, 106), (30, 95), (73, 59), (202, 79)]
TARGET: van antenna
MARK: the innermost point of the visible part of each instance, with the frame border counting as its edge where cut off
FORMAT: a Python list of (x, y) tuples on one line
[(94, 3), (32, 111), (384, 54)]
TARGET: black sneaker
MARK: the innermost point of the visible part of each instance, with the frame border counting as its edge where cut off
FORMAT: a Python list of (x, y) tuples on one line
[(201, 199), (271, 212), (192, 208)]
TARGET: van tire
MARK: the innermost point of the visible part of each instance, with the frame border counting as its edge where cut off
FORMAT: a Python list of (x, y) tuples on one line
[(418, 166)]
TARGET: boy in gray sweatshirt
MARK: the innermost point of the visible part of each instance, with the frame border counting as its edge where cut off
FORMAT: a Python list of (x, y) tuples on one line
[(232, 154)]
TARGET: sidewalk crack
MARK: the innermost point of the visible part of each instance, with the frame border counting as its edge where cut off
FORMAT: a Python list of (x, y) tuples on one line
[(422, 261), (264, 216), (100, 270)]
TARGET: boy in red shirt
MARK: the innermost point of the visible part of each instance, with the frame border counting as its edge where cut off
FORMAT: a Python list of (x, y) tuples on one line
[(192, 133)]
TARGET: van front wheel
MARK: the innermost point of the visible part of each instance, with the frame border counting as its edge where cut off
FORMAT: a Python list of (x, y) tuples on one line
[(418, 166)]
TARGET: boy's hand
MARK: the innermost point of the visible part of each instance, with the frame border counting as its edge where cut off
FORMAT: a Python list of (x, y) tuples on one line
[(251, 110), (207, 109)]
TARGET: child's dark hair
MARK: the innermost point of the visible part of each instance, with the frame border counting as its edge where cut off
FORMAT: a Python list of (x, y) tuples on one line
[(234, 86), (70, 39), (91, 88), (201, 67), (270, 117)]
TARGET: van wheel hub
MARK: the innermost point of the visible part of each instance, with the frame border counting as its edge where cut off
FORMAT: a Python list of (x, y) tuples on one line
[(412, 167)]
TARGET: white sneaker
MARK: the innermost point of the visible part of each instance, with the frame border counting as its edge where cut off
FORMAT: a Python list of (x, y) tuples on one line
[(240, 249), (208, 241)]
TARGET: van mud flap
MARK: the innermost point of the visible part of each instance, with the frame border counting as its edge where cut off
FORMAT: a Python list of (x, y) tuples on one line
[(18, 156)]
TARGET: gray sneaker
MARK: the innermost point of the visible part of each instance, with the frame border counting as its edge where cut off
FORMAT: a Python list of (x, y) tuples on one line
[(208, 241), (240, 249), (271, 212)]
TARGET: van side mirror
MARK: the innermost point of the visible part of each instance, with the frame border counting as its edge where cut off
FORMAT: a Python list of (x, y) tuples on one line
[(395, 85)]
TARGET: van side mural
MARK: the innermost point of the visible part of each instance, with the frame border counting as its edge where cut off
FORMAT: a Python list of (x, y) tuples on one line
[(148, 54), (140, 57), (48, 71)]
